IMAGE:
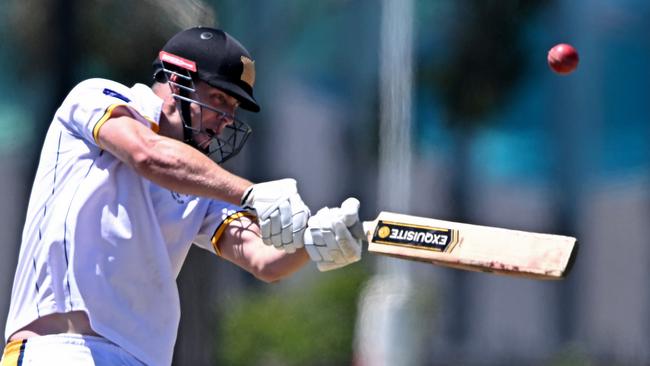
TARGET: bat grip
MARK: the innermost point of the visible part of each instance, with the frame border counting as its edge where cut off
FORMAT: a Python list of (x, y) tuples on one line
[(350, 208), (357, 231)]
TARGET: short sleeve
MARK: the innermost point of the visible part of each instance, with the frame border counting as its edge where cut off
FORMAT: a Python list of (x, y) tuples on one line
[(218, 217), (92, 102)]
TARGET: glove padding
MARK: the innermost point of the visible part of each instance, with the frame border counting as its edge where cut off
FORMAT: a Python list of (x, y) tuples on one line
[(281, 213), (328, 239)]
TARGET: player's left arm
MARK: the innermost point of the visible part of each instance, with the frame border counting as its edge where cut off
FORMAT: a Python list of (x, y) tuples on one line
[(328, 242), (241, 243)]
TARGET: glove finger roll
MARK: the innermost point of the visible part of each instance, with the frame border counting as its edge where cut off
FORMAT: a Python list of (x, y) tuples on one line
[(346, 242), (286, 226), (265, 229), (276, 229)]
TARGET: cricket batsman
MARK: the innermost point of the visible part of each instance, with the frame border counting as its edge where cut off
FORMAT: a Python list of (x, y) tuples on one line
[(128, 180)]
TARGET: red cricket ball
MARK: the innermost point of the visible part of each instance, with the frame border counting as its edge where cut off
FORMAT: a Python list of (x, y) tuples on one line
[(563, 58)]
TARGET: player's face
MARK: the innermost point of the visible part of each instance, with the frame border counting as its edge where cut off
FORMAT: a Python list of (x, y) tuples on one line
[(208, 122)]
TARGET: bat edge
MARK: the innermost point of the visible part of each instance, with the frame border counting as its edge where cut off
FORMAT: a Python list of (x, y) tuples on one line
[(572, 260)]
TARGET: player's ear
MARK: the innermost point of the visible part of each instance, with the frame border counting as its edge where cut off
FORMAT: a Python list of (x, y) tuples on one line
[(172, 80), (162, 77)]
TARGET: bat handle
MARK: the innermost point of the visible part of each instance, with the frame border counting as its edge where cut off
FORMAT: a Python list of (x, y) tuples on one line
[(351, 218), (357, 231)]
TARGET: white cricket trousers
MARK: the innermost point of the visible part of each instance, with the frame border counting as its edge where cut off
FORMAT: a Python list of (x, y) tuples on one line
[(68, 350)]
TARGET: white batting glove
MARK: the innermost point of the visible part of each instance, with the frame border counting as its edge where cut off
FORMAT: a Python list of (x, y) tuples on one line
[(281, 213), (328, 239)]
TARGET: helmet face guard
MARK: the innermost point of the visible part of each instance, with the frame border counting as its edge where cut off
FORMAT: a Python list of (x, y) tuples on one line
[(221, 147)]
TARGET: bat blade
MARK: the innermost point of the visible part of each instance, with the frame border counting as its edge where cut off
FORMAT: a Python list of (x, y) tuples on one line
[(471, 247)]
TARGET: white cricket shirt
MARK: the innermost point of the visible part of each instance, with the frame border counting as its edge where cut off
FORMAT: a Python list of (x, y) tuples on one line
[(100, 238)]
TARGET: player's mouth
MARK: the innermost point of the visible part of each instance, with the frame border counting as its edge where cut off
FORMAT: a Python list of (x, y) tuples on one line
[(204, 139)]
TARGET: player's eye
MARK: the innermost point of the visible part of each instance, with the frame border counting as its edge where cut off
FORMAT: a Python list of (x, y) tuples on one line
[(220, 99)]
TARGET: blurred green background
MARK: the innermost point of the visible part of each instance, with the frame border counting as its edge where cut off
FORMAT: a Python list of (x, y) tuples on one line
[(492, 137)]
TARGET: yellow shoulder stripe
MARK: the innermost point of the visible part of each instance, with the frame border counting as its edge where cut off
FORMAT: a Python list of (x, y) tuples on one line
[(100, 123), (109, 112)]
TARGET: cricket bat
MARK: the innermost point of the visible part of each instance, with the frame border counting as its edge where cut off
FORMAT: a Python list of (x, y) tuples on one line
[(469, 247)]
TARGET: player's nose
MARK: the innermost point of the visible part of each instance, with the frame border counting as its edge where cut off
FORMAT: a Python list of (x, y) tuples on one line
[(226, 119), (220, 122)]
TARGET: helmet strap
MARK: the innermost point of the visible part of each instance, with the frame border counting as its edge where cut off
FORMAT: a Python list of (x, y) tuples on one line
[(183, 107)]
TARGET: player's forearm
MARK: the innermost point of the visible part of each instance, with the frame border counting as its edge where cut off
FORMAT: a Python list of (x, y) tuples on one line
[(178, 167), (272, 265), (242, 244), (168, 162)]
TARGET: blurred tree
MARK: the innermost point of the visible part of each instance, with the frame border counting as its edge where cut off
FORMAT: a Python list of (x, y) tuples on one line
[(118, 38), (294, 326), (47, 47), (483, 60), (70, 40)]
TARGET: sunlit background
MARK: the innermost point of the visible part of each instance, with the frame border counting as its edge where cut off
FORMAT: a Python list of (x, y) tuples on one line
[(444, 109)]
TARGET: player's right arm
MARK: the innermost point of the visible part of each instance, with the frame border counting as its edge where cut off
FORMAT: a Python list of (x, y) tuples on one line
[(179, 167), (101, 112)]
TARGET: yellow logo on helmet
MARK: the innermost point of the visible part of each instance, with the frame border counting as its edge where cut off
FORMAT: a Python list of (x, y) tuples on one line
[(248, 73)]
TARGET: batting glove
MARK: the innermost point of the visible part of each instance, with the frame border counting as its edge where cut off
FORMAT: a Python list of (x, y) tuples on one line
[(328, 239), (281, 213)]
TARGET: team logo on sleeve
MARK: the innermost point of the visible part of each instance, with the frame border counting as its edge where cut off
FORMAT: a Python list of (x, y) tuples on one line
[(181, 198), (114, 94), (423, 237)]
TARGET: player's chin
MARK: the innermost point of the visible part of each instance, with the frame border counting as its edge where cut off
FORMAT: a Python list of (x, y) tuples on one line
[(205, 150), (203, 144)]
